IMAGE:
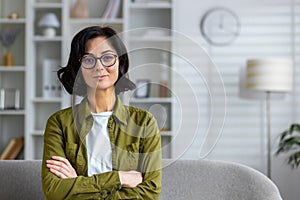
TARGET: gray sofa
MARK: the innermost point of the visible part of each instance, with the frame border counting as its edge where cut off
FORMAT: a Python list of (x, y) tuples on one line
[(182, 179)]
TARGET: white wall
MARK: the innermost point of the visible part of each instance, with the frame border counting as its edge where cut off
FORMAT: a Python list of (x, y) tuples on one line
[(266, 30)]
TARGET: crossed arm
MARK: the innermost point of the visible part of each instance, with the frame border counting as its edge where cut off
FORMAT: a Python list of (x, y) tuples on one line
[(61, 181), (62, 168)]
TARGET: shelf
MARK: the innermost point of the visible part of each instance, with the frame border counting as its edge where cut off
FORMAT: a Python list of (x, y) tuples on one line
[(96, 21), (47, 100), (151, 5), (41, 38), (12, 69), (151, 100), (12, 112), (46, 5), (12, 21)]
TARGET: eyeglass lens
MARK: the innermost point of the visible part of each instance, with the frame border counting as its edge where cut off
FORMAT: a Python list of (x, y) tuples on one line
[(107, 60)]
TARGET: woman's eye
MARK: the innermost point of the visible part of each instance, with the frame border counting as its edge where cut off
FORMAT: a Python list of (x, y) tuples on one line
[(88, 60), (108, 58)]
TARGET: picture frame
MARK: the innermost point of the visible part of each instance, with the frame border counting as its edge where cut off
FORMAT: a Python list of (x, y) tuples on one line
[(142, 88)]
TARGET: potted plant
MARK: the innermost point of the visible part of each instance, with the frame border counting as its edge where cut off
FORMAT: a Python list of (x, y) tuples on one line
[(290, 143)]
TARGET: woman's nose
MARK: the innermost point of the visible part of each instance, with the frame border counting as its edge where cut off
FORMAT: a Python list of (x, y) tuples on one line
[(99, 65)]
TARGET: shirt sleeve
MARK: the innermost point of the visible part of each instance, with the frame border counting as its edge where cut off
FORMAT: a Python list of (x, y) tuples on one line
[(151, 157), (106, 185), (94, 187)]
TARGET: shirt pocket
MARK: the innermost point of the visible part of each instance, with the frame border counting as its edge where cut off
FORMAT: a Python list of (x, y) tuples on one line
[(133, 155)]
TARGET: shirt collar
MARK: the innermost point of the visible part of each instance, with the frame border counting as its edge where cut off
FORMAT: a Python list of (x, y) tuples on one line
[(82, 111), (120, 112)]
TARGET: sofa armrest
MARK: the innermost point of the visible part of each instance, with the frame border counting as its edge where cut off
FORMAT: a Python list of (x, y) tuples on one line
[(215, 180)]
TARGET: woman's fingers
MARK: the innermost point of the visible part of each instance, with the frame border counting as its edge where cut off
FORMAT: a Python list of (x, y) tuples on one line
[(61, 167), (57, 168), (62, 160), (58, 173)]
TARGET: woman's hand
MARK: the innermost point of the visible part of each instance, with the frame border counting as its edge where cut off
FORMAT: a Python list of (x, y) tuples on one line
[(61, 167), (130, 179)]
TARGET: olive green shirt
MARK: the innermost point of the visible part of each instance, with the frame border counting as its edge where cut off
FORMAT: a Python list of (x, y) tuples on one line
[(135, 142)]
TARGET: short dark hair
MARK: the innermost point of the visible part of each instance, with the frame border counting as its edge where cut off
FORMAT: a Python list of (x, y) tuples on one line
[(73, 81)]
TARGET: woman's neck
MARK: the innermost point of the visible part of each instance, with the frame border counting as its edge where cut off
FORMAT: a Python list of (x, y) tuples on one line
[(101, 101)]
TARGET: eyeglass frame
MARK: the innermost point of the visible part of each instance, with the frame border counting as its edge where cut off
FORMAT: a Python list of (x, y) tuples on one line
[(98, 58)]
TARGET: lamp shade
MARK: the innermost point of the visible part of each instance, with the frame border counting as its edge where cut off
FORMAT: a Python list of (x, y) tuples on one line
[(270, 75), (49, 20)]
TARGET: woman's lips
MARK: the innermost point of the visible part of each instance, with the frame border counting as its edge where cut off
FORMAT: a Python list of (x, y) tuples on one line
[(101, 77)]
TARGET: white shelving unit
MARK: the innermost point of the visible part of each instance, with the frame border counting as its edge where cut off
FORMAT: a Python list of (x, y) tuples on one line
[(40, 48), (32, 48), (12, 121), (148, 25)]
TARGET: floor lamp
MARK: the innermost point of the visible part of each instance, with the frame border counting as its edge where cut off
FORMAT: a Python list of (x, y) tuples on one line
[(270, 76)]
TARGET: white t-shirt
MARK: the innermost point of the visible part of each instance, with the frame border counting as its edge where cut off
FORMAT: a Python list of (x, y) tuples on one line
[(98, 145)]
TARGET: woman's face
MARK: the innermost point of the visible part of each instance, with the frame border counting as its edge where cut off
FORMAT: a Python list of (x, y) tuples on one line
[(104, 74)]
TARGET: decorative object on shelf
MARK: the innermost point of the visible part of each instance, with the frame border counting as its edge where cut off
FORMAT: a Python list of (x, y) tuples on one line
[(49, 22), (220, 26), (8, 36), (13, 15), (51, 86), (112, 9), (142, 88), (271, 76), (289, 143), (9, 99), (80, 10)]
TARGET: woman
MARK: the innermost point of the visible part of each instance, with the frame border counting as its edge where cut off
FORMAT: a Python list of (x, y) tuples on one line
[(99, 148)]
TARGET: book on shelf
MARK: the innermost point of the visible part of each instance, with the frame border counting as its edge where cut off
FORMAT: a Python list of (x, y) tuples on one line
[(13, 149), (112, 9)]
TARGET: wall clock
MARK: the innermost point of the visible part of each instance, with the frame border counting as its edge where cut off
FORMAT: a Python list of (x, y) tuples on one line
[(220, 26)]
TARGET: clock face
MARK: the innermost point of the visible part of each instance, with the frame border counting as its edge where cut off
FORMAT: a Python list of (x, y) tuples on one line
[(220, 26)]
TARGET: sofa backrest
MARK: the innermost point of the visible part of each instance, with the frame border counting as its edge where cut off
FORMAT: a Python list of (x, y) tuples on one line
[(182, 179)]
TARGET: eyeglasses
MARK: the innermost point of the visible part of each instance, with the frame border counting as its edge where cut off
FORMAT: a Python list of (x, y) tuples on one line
[(89, 61)]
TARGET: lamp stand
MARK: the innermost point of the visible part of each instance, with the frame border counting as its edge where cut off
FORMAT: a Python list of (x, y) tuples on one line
[(268, 121)]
